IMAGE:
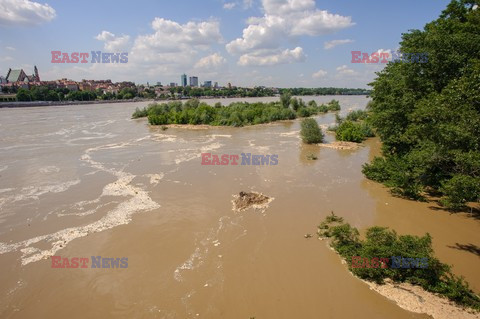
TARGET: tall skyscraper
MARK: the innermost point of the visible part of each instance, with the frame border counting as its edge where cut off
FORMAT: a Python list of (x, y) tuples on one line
[(207, 84), (184, 80), (194, 81)]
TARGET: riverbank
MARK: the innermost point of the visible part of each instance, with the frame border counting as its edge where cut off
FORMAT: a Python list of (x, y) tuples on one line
[(62, 103), (429, 287)]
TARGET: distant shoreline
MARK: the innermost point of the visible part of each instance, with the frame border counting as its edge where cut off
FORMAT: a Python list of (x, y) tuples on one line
[(60, 103)]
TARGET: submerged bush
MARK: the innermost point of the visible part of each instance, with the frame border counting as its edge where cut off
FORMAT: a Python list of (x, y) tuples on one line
[(355, 127), (140, 113), (350, 132), (381, 242), (333, 105), (311, 132)]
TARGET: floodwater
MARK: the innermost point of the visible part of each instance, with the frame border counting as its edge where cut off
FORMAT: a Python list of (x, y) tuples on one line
[(86, 180)]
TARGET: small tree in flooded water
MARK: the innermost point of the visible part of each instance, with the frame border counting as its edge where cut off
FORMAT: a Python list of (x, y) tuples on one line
[(311, 132)]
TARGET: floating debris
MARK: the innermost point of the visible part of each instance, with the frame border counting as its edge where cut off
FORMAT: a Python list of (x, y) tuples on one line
[(340, 145), (255, 200)]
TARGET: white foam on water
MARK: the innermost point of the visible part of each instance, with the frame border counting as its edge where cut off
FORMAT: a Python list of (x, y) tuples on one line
[(88, 138), (49, 169), (94, 125), (194, 261), (34, 192), (194, 153), (139, 200), (4, 190), (155, 178), (261, 149), (292, 133), (167, 138)]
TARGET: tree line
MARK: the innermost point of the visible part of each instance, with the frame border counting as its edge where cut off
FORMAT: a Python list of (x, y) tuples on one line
[(428, 114)]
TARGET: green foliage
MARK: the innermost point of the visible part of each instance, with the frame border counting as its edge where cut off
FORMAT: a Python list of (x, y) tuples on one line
[(294, 103), (357, 115), (311, 132), (354, 127), (23, 95), (351, 132), (427, 114), (459, 190), (380, 242), (140, 113), (333, 105), (325, 91), (285, 99), (236, 114)]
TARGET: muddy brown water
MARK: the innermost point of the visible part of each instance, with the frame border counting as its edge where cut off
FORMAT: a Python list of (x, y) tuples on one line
[(86, 180)]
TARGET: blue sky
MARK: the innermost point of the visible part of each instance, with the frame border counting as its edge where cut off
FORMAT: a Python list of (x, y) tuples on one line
[(280, 43)]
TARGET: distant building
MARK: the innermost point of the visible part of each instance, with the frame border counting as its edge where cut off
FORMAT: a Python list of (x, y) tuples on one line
[(184, 80), (229, 85), (215, 85), (2, 80), (194, 81), (207, 84), (159, 83), (20, 76), (172, 84)]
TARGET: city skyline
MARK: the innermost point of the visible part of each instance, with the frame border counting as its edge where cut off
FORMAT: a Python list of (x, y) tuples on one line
[(274, 43)]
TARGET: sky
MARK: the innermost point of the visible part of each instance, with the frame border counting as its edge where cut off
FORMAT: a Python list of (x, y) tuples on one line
[(279, 43)]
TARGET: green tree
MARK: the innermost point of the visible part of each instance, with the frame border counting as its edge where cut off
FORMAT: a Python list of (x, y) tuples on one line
[(23, 95), (285, 99), (311, 132), (427, 114)]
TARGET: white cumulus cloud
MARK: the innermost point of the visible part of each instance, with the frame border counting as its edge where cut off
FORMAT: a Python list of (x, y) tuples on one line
[(319, 74), (284, 20), (112, 42), (211, 62), (269, 57), (24, 12), (344, 70), (172, 36)]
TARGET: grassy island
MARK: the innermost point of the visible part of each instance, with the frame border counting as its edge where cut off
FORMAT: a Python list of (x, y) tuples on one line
[(236, 114)]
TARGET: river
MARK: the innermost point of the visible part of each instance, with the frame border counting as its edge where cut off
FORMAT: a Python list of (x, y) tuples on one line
[(87, 180)]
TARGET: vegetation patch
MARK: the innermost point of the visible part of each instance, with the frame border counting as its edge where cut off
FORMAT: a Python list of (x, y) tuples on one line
[(381, 242), (354, 127), (428, 114), (236, 114), (311, 132)]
